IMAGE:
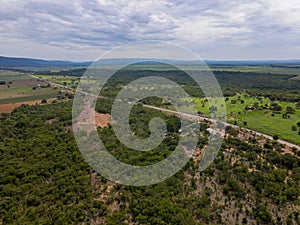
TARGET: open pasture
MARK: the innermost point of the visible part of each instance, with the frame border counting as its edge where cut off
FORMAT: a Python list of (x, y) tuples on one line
[(260, 114)]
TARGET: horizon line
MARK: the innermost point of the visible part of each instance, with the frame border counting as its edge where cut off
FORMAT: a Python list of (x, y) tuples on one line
[(206, 60)]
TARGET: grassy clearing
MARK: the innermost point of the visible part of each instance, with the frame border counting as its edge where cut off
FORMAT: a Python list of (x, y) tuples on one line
[(14, 78), (24, 91), (263, 120), (58, 78), (10, 76), (265, 123), (9, 73), (68, 81)]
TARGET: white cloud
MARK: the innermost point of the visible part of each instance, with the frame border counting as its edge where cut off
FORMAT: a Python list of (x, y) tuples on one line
[(81, 27)]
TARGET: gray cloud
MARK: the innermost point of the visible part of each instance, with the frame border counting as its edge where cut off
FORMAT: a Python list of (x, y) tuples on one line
[(82, 29)]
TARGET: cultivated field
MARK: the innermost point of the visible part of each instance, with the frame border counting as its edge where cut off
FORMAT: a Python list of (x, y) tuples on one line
[(17, 88)]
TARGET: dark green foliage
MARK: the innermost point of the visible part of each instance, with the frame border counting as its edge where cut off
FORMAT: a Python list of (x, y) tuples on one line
[(140, 126), (259, 81), (43, 178), (104, 105), (275, 137), (262, 215)]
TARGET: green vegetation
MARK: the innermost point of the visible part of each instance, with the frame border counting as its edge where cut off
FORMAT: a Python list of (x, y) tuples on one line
[(22, 91), (260, 84), (261, 69), (37, 157), (45, 180), (260, 114), (68, 81), (48, 181)]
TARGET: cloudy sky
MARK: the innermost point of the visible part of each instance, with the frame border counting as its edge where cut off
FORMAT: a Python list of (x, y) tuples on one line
[(215, 29)]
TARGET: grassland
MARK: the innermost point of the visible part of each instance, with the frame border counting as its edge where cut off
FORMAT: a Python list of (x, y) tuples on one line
[(68, 81), (10, 76), (9, 73), (262, 120), (24, 91)]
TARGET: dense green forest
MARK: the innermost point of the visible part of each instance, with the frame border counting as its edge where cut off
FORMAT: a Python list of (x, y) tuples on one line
[(45, 180)]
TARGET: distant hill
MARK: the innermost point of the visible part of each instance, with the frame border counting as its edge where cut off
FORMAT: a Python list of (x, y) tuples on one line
[(145, 61), (7, 62), (254, 62)]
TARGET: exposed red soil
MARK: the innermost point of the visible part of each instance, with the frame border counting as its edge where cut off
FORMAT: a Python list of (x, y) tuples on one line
[(8, 108), (102, 120)]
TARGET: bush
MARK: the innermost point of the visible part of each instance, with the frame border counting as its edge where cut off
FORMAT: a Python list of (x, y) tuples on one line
[(276, 137), (262, 214)]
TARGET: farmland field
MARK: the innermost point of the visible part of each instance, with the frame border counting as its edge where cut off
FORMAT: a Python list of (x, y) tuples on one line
[(17, 88)]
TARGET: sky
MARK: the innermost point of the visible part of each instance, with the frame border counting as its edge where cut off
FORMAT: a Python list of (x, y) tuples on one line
[(83, 30)]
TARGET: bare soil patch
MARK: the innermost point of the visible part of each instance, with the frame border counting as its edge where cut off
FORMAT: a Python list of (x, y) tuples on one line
[(88, 116), (8, 108), (102, 120)]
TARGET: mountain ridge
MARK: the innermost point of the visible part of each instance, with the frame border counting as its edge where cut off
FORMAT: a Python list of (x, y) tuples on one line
[(32, 62)]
